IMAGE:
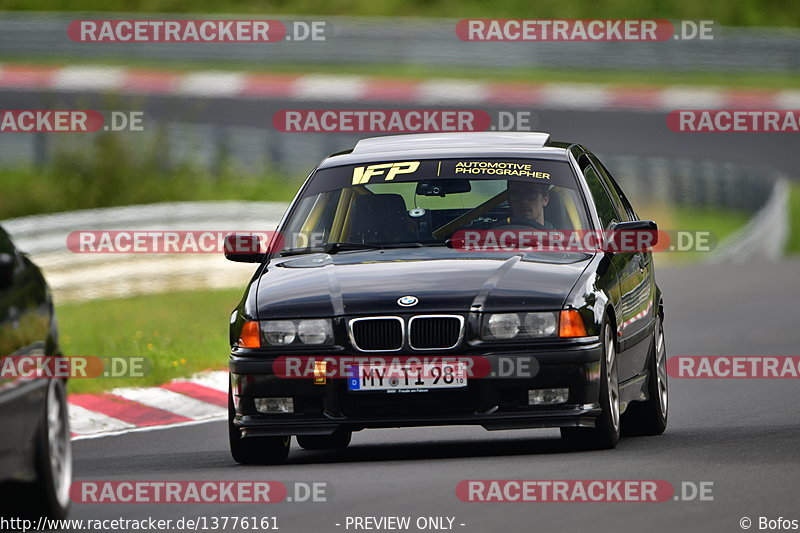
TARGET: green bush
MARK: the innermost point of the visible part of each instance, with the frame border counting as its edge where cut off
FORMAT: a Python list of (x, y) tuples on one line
[(111, 172), (153, 326), (793, 244)]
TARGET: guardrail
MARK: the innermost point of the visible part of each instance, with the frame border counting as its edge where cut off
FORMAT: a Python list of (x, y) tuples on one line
[(764, 236), (691, 182), (210, 148), (414, 41), (78, 277)]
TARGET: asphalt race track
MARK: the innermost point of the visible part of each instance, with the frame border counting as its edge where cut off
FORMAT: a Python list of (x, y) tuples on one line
[(606, 132), (742, 435)]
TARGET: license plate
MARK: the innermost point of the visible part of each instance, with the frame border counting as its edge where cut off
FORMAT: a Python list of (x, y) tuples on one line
[(405, 377)]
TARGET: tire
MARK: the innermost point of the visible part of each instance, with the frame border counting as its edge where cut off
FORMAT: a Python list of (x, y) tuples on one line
[(255, 450), (605, 434), (49, 495), (650, 417), (338, 440)]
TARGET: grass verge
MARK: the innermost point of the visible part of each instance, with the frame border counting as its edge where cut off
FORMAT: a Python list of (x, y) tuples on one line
[(627, 78), (718, 223), (793, 244), (46, 192), (738, 13), (179, 333)]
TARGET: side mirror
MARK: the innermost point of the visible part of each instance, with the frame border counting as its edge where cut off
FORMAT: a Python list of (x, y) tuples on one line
[(244, 248), (633, 236), (7, 263)]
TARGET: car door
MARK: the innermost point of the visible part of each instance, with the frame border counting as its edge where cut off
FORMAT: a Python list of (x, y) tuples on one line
[(625, 263), (23, 331), (641, 311)]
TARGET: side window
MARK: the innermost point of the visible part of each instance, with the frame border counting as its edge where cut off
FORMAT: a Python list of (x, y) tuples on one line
[(605, 207), (312, 220), (616, 192), (625, 203), (6, 246), (8, 258)]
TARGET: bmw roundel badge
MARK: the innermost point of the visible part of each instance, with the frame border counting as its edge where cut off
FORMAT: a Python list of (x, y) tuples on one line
[(408, 301)]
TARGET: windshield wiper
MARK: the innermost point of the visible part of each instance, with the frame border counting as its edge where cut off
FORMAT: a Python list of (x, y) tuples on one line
[(412, 244), (331, 248)]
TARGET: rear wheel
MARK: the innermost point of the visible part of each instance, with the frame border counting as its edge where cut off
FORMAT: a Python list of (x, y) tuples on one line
[(337, 440), (650, 417), (255, 450), (605, 434)]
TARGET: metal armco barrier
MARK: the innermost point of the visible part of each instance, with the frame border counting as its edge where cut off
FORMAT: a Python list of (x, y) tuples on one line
[(413, 41), (210, 147), (79, 277)]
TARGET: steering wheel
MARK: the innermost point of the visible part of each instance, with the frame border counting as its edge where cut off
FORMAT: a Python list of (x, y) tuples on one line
[(514, 227)]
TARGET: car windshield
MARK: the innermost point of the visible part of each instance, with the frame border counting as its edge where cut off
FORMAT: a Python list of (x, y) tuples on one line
[(390, 204)]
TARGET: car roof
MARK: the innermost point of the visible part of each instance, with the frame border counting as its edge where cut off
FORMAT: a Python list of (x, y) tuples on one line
[(447, 145)]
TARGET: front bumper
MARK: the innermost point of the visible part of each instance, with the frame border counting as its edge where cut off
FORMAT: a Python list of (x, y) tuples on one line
[(495, 401)]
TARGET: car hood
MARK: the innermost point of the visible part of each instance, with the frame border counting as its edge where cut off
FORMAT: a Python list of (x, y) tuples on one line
[(370, 282)]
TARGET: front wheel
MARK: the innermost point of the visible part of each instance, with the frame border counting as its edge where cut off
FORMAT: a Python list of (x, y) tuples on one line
[(605, 434), (255, 450)]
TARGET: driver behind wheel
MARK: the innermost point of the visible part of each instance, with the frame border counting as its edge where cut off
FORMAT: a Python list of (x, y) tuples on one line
[(526, 202)]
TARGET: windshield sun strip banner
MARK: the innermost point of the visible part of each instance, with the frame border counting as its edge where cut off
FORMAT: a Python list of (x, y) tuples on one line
[(549, 172)]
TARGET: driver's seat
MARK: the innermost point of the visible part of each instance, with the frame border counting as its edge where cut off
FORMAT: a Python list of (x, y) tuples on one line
[(380, 218)]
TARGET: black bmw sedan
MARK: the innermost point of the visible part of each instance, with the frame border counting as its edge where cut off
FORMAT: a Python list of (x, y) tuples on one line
[(402, 289)]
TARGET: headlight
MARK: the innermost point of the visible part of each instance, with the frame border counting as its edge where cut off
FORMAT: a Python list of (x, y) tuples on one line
[(279, 332), (315, 331), (503, 326), (519, 326), (540, 324)]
